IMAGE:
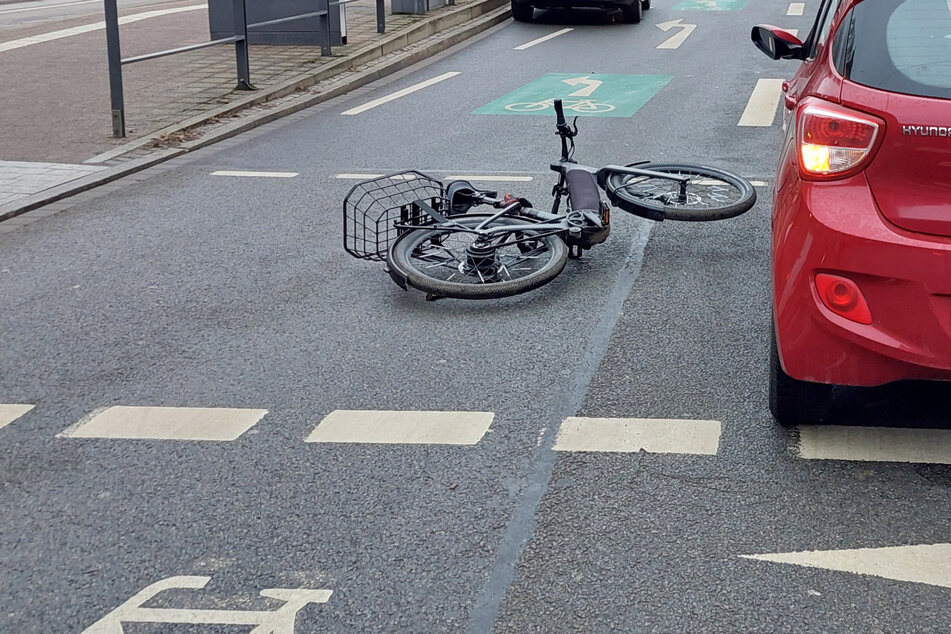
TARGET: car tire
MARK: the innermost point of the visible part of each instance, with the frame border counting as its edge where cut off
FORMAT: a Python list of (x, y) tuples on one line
[(632, 14), (522, 11), (793, 402), (645, 5)]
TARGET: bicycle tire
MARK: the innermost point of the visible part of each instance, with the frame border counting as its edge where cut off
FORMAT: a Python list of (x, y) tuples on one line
[(712, 194), (402, 262)]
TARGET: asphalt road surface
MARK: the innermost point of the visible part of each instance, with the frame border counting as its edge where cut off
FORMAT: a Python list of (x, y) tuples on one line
[(182, 288)]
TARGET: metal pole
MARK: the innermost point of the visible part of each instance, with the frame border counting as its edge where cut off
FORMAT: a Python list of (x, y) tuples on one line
[(380, 17), (241, 46), (115, 69), (325, 50)]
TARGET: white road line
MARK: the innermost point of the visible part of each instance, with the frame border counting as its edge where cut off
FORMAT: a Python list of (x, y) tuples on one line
[(796, 8), (11, 412), (400, 93), (653, 435), (542, 39), (761, 108), (794, 32), (87, 28), (875, 444), (166, 423), (397, 177), (409, 427), (490, 178), (49, 6), (922, 563), (255, 174), (759, 183)]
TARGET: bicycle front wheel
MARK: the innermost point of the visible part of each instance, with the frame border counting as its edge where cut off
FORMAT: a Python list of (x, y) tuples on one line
[(709, 194), (447, 262)]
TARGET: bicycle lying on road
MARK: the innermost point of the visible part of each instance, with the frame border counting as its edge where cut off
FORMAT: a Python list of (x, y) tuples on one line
[(430, 239)]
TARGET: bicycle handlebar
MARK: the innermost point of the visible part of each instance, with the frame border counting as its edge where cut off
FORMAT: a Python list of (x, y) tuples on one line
[(560, 113)]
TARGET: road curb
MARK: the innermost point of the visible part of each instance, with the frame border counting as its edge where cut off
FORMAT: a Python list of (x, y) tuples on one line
[(477, 17)]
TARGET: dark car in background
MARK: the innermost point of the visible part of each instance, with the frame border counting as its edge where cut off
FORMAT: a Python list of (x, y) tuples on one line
[(631, 10)]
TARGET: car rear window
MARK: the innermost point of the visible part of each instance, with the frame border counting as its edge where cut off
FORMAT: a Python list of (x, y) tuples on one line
[(900, 46)]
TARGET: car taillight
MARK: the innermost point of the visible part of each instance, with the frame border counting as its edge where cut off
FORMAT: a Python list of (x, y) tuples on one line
[(834, 141), (843, 297)]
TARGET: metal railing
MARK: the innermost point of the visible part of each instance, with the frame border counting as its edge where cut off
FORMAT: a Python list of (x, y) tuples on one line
[(239, 39)]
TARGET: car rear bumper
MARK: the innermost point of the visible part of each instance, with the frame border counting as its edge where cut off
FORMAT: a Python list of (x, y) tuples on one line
[(835, 227)]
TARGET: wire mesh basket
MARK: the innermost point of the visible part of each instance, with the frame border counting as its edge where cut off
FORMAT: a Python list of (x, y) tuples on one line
[(373, 208)]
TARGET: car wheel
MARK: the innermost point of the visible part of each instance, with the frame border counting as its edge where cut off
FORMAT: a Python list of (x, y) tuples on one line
[(645, 5), (793, 402), (632, 14), (522, 11)]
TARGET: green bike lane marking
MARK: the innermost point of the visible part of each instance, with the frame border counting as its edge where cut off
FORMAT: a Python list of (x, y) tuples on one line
[(710, 5), (592, 95)]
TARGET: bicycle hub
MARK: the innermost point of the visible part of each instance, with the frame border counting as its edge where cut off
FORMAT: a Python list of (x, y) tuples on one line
[(480, 260)]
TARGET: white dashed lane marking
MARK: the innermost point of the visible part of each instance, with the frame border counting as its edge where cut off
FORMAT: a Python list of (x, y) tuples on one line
[(166, 423), (796, 8), (409, 427), (875, 444), (761, 108), (400, 93), (653, 435), (254, 174), (10, 412), (489, 178), (360, 177), (542, 39)]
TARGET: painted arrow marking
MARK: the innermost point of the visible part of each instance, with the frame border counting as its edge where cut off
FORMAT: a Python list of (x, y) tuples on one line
[(925, 563), (590, 85), (678, 38)]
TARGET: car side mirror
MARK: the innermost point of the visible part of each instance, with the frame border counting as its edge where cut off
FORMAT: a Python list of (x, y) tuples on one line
[(777, 43)]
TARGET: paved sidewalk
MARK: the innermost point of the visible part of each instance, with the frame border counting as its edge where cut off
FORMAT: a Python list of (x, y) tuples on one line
[(55, 127)]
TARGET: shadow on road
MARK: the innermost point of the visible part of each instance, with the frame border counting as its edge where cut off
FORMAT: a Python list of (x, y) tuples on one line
[(902, 404)]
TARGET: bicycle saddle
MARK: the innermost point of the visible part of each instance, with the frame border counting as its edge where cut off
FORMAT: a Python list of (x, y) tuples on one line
[(462, 195)]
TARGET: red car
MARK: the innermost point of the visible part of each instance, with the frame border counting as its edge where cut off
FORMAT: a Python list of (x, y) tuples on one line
[(861, 220)]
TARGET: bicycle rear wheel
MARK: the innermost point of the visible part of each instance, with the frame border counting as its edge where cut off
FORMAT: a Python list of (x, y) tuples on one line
[(451, 263), (711, 194)]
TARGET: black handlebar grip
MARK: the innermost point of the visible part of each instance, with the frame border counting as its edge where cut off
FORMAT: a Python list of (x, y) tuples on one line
[(560, 113)]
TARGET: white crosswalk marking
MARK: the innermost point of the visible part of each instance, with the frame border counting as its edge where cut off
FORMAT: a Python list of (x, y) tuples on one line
[(166, 423), (11, 412), (409, 427), (653, 435), (874, 444)]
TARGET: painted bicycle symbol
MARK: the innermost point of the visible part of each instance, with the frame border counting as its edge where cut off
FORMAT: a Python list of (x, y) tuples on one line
[(279, 621), (580, 106)]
